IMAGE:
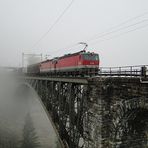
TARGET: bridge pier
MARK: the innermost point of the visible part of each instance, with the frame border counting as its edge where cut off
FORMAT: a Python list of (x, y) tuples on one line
[(65, 103), (100, 112), (117, 113)]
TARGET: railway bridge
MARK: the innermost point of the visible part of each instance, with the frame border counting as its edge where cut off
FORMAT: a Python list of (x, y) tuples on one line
[(109, 110)]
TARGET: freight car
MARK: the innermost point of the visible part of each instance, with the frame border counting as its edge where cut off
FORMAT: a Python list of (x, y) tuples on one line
[(80, 63), (33, 69)]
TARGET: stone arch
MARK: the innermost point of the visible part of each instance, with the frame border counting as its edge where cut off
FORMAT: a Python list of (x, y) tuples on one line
[(129, 126)]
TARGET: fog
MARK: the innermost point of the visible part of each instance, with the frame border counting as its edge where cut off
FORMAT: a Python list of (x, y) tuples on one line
[(23, 120), (23, 22)]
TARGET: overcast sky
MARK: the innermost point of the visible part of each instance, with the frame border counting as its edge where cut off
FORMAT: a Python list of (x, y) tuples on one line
[(23, 22)]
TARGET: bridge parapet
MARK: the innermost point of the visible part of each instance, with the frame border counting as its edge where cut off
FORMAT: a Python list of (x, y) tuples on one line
[(131, 71)]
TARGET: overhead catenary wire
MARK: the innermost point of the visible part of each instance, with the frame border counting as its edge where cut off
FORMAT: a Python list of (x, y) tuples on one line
[(118, 25), (135, 29), (108, 31), (53, 25), (119, 29), (104, 35)]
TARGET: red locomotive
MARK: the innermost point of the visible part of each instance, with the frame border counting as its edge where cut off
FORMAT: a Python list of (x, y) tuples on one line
[(80, 63)]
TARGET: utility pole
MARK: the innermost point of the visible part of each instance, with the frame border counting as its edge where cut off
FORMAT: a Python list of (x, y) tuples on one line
[(22, 60)]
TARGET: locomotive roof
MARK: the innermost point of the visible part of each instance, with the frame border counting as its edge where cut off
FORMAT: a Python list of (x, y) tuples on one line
[(49, 60), (73, 54), (46, 61)]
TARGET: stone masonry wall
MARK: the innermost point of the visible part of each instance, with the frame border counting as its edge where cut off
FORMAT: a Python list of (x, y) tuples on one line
[(117, 109)]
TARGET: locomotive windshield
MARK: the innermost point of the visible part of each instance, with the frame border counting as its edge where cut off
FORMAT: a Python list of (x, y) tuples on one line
[(91, 57)]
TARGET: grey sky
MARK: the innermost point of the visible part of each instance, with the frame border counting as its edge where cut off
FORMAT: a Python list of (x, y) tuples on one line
[(23, 22)]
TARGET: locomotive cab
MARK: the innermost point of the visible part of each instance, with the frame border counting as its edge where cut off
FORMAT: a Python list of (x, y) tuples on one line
[(89, 62), (89, 59)]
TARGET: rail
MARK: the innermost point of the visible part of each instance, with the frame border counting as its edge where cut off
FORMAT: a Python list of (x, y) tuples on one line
[(131, 71)]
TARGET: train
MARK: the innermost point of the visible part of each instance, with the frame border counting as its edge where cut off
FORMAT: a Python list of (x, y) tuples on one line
[(80, 63)]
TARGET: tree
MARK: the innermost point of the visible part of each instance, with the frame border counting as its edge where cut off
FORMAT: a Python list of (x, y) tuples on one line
[(30, 139)]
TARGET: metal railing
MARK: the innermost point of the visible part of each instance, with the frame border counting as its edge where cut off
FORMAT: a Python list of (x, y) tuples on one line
[(132, 71)]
